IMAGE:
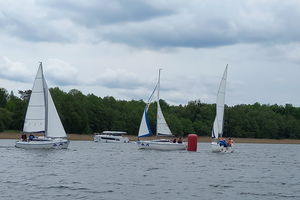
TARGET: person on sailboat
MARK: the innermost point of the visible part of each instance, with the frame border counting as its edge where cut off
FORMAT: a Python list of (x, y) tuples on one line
[(179, 140), (174, 140), (24, 137), (31, 137), (230, 142), (223, 142)]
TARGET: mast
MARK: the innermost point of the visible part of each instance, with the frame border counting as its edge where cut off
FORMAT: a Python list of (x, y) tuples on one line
[(158, 84), (45, 99), (158, 88), (225, 80)]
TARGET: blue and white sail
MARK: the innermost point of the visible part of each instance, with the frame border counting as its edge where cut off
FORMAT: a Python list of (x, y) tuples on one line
[(162, 128), (145, 129), (217, 130)]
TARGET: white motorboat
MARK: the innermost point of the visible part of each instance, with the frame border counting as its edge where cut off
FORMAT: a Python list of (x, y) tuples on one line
[(42, 117), (111, 137), (162, 128)]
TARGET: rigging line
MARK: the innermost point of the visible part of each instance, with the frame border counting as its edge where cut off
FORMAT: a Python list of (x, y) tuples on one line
[(150, 98)]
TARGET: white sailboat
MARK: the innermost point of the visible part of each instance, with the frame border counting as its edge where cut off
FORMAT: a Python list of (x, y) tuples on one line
[(42, 117), (162, 128), (217, 130)]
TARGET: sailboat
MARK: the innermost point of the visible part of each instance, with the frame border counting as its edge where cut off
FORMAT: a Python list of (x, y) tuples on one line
[(162, 128), (217, 130), (42, 117)]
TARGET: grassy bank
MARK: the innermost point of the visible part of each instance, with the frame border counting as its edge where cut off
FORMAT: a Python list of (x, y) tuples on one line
[(16, 135)]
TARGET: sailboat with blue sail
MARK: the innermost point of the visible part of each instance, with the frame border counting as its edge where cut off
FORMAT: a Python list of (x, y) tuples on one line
[(162, 128)]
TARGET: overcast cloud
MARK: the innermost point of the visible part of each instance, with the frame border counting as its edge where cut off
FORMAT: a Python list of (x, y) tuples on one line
[(115, 47)]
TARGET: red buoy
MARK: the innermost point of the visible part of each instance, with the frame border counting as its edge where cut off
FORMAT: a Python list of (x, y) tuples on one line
[(192, 142)]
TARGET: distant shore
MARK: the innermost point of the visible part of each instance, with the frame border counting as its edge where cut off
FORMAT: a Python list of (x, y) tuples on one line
[(15, 135)]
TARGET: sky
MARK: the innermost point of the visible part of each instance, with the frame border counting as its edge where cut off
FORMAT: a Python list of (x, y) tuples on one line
[(115, 48)]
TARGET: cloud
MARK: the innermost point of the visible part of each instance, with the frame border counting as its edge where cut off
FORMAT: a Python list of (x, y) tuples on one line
[(95, 13), (14, 71), (191, 40), (207, 24), (153, 24), (289, 52), (31, 22), (121, 79), (61, 73), (56, 71)]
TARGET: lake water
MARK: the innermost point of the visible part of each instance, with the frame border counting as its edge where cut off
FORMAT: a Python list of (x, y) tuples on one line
[(89, 170)]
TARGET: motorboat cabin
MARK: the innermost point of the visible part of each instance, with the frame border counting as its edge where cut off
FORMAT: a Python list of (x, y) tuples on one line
[(111, 137)]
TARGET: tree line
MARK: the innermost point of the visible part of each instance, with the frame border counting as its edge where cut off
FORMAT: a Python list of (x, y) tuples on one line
[(87, 114)]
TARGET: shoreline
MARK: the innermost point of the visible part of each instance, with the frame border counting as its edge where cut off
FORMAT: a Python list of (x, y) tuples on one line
[(15, 135)]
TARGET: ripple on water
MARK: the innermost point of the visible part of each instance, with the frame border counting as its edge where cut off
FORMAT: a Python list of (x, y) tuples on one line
[(94, 171)]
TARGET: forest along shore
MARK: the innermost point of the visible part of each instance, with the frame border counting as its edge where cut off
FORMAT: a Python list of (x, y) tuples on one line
[(15, 135)]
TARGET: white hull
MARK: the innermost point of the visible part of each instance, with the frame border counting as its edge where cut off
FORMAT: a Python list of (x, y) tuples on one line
[(156, 145), (44, 144), (216, 148), (110, 139)]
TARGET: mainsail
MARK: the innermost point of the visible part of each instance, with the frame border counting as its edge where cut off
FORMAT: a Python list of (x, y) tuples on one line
[(218, 123), (35, 114), (162, 126)]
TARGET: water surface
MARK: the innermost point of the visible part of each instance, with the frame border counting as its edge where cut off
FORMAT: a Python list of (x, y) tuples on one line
[(89, 170)]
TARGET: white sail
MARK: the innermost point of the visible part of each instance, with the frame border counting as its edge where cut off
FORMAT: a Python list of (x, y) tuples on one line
[(215, 130), (54, 128), (35, 115), (162, 126), (144, 126), (218, 123)]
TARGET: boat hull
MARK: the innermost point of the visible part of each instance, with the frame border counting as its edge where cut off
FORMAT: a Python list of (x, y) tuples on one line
[(43, 144), (164, 146), (216, 148)]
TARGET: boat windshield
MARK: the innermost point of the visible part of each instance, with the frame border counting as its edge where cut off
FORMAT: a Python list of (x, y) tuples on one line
[(161, 140), (114, 133), (109, 138)]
